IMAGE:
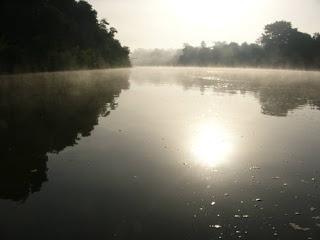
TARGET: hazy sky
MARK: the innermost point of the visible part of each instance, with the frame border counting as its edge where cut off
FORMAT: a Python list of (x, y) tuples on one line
[(170, 23)]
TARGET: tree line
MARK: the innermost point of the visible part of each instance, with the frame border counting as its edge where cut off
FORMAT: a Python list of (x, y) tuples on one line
[(49, 35), (155, 57), (280, 45)]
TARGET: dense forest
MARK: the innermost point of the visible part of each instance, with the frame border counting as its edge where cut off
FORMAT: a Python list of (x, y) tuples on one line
[(280, 45), (48, 35)]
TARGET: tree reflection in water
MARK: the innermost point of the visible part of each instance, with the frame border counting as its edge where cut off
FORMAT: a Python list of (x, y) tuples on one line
[(44, 113), (278, 91)]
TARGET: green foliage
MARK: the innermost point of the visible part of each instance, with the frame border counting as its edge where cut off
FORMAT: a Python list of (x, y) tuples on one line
[(48, 35), (280, 45)]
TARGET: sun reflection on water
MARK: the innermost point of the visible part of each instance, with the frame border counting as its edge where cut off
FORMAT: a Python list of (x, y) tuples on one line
[(211, 145)]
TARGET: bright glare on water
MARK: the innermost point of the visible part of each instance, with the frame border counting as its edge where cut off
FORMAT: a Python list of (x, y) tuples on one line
[(160, 153), (211, 145)]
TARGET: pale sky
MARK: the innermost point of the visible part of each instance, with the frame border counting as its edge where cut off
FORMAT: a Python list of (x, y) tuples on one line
[(170, 23)]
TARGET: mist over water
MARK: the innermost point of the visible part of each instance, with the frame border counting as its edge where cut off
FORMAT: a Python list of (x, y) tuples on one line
[(161, 153), (212, 134)]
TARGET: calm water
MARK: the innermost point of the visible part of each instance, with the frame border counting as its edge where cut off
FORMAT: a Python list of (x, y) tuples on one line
[(160, 153)]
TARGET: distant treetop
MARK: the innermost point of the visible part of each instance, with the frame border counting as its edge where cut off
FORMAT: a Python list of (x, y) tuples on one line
[(280, 45)]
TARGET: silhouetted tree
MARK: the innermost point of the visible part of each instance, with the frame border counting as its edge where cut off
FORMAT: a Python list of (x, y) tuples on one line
[(280, 45), (316, 38), (45, 35), (286, 45)]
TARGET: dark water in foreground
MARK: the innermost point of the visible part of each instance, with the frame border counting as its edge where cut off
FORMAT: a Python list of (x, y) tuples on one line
[(160, 153)]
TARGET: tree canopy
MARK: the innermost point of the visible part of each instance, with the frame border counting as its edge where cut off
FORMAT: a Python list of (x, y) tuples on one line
[(280, 45), (46, 35)]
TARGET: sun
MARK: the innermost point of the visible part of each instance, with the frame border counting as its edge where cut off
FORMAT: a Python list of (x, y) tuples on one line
[(211, 145)]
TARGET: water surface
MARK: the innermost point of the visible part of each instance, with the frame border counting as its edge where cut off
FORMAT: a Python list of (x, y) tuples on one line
[(160, 153)]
